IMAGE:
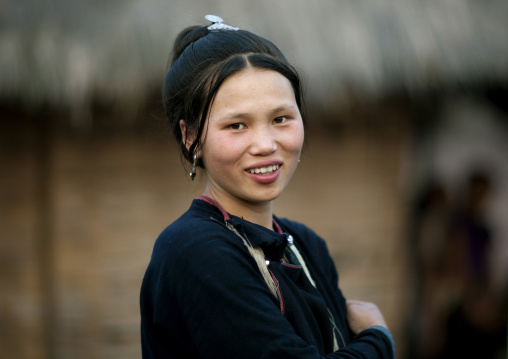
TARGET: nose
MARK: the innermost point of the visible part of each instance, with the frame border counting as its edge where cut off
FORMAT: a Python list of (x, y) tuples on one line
[(264, 141)]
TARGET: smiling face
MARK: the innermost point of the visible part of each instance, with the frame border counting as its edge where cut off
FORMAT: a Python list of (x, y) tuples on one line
[(253, 139)]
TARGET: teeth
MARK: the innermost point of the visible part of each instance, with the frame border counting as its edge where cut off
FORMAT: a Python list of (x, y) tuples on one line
[(264, 170)]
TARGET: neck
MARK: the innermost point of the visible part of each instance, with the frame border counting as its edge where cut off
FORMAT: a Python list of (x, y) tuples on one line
[(259, 213)]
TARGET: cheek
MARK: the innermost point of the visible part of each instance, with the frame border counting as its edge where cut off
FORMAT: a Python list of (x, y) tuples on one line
[(295, 140), (219, 150)]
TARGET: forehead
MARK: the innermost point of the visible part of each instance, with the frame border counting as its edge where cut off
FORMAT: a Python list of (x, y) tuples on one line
[(253, 87), (253, 74)]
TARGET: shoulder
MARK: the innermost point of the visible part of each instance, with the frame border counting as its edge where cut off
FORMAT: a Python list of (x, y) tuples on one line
[(193, 248), (189, 234), (198, 233)]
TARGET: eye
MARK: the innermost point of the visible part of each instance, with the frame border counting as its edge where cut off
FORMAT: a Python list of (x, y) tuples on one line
[(237, 126), (280, 119)]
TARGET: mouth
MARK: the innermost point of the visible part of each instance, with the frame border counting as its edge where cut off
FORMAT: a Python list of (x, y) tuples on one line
[(264, 170)]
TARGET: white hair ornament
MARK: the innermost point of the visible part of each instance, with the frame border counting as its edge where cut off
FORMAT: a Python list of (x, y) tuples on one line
[(217, 24)]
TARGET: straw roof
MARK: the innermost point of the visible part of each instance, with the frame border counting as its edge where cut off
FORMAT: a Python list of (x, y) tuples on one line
[(67, 53)]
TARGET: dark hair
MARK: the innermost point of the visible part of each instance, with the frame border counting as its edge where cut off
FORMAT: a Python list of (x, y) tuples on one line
[(201, 60)]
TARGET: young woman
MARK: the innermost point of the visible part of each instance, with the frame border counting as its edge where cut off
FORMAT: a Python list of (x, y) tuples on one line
[(228, 279)]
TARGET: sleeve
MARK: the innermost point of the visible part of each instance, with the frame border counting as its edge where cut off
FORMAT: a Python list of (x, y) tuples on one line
[(227, 308), (374, 342)]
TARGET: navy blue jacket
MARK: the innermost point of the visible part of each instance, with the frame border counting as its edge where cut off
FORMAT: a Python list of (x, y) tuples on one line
[(203, 295)]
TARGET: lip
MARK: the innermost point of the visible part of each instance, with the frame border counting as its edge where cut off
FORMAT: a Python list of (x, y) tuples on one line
[(264, 178)]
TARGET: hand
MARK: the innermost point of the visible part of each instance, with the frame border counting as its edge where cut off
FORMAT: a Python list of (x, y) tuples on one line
[(361, 315)]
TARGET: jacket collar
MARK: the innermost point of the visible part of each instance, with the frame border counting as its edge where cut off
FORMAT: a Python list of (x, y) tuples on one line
[(271, 242)]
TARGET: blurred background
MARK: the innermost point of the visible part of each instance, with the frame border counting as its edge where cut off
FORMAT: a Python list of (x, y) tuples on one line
[(405, 171)]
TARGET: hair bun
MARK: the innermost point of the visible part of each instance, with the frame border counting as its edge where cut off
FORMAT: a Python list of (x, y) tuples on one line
[(186, 37)]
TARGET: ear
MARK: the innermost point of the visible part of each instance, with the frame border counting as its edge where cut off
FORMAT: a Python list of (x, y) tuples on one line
[(187, 136)]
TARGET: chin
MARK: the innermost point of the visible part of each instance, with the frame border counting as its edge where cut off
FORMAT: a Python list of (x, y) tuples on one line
[(265, 198)]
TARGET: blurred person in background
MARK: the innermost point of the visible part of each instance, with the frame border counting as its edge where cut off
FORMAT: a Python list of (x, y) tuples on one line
[(478, 311), (459, 312), (430, 232), (228, 279)]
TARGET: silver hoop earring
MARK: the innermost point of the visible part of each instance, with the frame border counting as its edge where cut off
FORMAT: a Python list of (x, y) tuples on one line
[(192, 173)]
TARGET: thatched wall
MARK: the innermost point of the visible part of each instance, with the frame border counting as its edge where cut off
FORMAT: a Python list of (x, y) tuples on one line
[(69, 53)]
